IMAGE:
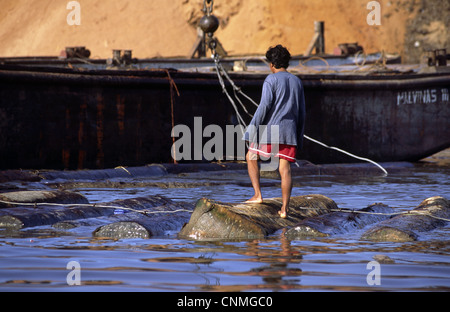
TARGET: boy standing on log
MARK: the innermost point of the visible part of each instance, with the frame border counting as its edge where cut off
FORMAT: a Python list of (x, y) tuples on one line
[(276, 129)]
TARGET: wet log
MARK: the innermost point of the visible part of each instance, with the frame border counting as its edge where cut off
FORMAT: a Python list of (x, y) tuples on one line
[(100, 174), (8, 200), (122, 207), (407, 227), (138, 225), (22, 217), (335, 223), (18, 175), (216, 220), (151, 221)]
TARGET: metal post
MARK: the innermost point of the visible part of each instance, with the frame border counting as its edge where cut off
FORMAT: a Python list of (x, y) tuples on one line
[(318, 40), (441, 57), (319, 28)]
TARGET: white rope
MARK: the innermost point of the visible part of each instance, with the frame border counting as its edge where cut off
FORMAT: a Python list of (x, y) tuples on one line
[(143, 211), (347, 153), (409, 212)]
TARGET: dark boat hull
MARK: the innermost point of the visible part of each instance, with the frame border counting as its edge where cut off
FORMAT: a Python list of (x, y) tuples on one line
[(68, 119)]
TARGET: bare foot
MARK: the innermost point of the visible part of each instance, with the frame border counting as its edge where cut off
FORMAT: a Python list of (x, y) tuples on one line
[(254, 200), (282, 214)]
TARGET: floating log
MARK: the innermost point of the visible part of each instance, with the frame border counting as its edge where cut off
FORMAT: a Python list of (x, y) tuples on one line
[(22, 217), (406, 227), (338, 222), (212, 220), (98, 174), (8, 200), (204, 167), (124, 209), (161, 219), (18, 175), (66, 178), (139, 225)]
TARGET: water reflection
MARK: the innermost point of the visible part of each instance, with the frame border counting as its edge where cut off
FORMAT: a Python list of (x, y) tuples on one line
[(275, 264)]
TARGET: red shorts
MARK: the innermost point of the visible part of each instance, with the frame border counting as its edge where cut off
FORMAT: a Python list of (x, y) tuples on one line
[(285, 151)]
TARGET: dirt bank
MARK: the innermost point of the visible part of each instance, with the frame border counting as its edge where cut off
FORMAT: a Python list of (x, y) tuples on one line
[(167, 28)]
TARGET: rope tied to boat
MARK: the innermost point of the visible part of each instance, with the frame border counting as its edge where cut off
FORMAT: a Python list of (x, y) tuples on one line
[(222, 73), (173, 87)]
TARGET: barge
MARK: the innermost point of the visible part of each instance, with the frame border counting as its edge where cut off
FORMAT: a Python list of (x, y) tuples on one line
[(76, 113)]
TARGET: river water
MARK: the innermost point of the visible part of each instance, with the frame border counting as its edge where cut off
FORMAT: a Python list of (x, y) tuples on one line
[(37, 259)]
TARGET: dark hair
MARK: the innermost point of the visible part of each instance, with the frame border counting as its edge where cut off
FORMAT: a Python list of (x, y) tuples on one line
[(279, 56)]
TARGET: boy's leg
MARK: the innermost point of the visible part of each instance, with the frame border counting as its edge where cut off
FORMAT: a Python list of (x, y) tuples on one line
[(286, 186), (253, 172)]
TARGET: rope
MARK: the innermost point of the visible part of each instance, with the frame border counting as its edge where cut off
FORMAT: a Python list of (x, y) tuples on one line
[(145, 212), (123, 168), (409, 212), (347, 153), (222, 72), (173, 87), (357, 54), (303, 64)]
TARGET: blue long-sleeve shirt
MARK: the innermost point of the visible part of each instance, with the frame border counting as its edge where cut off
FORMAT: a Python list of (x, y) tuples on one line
[(282, 104)]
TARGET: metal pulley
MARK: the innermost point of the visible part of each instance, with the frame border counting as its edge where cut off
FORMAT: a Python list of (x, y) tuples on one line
[(209, 24)]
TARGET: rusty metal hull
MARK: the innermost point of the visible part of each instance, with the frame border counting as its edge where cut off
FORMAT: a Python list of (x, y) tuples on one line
[(383, 118), (70, 119)]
